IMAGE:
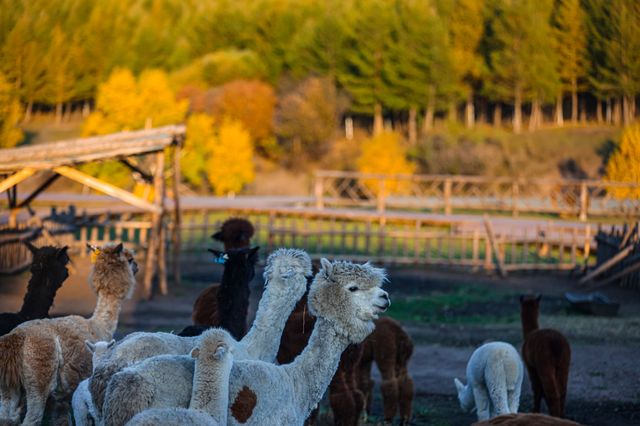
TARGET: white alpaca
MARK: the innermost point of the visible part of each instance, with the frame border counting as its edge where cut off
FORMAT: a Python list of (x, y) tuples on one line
[(345, 297), (83, 410), (494, 376), (285, 281), (210, 394)]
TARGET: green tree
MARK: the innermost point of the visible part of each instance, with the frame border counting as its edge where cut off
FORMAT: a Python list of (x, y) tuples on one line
[(59, 81), (10, 133)]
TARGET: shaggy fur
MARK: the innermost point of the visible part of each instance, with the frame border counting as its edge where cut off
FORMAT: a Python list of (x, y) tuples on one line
[(494, 381), (391, 348), (48, 358), (83, 409), (526, 419), (210, 393), (235, 233), (142, 386), (547, 355), (345, 297), (48, 272)]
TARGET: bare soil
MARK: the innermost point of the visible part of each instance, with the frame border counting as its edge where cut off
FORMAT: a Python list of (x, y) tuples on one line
[(604, 384)]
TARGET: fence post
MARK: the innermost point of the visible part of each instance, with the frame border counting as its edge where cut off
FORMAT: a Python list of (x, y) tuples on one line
[(381, 196), (584, 201), (447, 196), (515, 192), (319, 192)]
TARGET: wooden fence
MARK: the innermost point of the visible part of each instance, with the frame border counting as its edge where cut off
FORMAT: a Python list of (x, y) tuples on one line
[(449, 193)]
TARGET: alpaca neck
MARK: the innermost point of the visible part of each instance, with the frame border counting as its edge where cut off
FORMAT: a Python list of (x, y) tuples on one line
[(263, 340), (314, 368), (233, 299), (105, 316), (210, 391), (529, 323), (39, 297)]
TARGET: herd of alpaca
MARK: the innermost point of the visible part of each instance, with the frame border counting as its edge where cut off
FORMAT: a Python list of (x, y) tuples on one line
[(310, 334)]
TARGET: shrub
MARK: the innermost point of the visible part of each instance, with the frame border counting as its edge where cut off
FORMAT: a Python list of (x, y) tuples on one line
[(624, 164)]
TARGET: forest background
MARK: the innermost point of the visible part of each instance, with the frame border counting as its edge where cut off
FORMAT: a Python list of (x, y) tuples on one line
[(516, 88)]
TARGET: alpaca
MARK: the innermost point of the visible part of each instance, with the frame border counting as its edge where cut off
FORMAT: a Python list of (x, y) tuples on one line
[(547, 355), (48, 272), (48, 357), (391, 348), (494, 381), (285, 280), (344, 297), (526, 419), (210, 393), (83, 410), (235, 233)]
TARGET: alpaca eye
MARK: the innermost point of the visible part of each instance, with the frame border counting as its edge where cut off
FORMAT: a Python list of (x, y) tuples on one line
[(353, 288)]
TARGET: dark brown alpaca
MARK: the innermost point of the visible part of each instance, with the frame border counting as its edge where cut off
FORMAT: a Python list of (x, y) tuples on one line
[(547, 355), (390, 347), (48, 272), (526, 419), (345, 398), (235, 233)]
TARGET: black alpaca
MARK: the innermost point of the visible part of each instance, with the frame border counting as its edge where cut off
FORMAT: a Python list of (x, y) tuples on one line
[(48, 272)]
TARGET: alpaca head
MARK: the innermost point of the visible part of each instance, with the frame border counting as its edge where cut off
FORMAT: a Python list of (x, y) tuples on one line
[(113, 271), (52, 261), (287, 269), (234, 233), (240, 261), (349, 296), (99, 350), (464, 396), (215, 345), (530, 306)]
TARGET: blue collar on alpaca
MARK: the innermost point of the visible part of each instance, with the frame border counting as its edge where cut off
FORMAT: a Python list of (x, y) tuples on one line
[(221, 259)]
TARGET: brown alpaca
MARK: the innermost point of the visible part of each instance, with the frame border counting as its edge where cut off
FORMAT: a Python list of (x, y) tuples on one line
[(235, 233), (48, 357), (391, 347), (547, 355), (345, 398), (526, 419)]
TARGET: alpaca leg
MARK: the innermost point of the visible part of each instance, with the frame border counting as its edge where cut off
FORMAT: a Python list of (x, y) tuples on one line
[(536, 387), (405, 398), (40, 368), (513, 399), (389, 390), (365, 384), (551, 392), (10, 405), (481, 398), (497, 389), (343, 407)]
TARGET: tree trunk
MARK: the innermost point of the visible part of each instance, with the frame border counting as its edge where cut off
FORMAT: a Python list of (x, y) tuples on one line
[(27, 112), (377, 119), (534, 120), (469, 111), (517, 110), (67, 112), (559, 113), (452, 114), (599, 111), (58, 113), (413, 131), (497, 115), (86, 109), (574, 100), (583, 109), (616, 112), (626, 110), (429, 111), (607, 114), (482, 114)]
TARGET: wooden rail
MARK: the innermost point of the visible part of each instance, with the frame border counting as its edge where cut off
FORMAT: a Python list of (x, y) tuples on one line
[(449, 193)]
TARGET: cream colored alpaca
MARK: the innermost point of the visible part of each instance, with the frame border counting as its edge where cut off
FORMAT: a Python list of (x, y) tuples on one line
[(210, 394), (285, 280), (345, 297), (48, 358)]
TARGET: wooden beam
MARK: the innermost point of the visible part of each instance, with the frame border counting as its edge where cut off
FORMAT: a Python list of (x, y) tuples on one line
[(176, 238), (628, 270), (16, 178), (41, 188), (107, 188), (607, 265), (494, 247), (134, 168)]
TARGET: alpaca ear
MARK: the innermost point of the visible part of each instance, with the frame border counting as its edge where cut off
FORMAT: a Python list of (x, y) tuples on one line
[(92, 247), (90, 346), (327, 266), (217, 236), (119, 248), (111, 343), (195, 353), (459, 385), (253, 252), (62, 252), (31, 247)]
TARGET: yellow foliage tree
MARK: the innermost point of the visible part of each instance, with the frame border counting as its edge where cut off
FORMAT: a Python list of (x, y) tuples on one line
[(10, 133), (197, 146), (384, 153), (624, 164), (230, 163)]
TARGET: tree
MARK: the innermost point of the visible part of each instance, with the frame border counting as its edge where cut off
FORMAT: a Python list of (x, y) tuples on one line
[(59, 80), (571, 46), (623, 165), (384, 153), (200, 137), (10, 133), (230, 164)]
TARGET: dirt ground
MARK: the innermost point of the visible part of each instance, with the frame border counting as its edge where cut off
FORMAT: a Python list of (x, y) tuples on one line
[(604, 384)]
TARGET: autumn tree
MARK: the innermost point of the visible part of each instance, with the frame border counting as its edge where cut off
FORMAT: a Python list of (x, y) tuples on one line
[(10, 133), (230, 163), (624, 166), (200, 137)]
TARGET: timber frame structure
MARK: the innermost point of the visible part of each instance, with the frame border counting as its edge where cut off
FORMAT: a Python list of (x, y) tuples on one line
[(62, 158)]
